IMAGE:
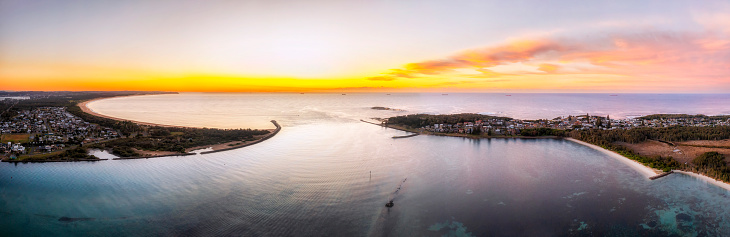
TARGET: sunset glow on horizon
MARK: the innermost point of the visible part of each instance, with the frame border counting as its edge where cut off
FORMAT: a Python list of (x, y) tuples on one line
[(403, 46)]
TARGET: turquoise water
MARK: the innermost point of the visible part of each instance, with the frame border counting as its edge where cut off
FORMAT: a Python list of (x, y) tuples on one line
[(314, 178)]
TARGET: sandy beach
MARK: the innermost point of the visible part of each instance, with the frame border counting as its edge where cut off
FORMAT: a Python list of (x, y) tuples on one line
[(214, 148), (646, 171), (85, 108)]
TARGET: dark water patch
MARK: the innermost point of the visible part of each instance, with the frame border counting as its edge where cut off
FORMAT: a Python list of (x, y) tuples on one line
[(72, 219)]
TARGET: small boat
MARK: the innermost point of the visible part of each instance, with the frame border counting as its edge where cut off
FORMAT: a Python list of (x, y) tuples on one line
[(389, 204)]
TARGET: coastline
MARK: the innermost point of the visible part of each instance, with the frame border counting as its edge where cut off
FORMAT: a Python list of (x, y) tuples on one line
[(266, 137), (644, 170), (86, 109), (715, 182)]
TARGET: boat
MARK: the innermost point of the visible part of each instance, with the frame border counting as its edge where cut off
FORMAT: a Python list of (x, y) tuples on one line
[(389, 204)]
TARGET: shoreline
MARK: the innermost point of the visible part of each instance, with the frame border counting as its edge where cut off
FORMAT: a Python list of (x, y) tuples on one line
[(44, 161), (644, 170), (84, 107), (270, 135), (709, 180)]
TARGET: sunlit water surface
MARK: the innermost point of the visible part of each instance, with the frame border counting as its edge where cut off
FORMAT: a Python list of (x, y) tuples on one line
[(326, 173)]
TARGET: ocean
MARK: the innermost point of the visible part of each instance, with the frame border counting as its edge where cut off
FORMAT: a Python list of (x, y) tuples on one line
[(328, 174)]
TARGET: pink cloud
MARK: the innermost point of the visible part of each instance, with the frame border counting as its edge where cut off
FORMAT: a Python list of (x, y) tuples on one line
[(702, 58)]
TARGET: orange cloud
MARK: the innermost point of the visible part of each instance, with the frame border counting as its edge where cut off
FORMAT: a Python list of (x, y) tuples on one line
[(549, 68), (511, 52), (624, 60)]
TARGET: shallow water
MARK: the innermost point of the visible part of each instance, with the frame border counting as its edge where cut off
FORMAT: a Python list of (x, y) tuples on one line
[(314, 178)]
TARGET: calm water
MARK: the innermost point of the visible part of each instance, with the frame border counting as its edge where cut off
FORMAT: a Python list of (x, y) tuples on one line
[(314, 178), (256, 110)]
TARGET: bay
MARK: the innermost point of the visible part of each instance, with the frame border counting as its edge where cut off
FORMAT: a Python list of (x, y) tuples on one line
[(326, 173)]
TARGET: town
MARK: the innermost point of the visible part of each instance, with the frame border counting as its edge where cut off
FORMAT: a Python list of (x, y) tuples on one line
[(47, 129), (511, 127)]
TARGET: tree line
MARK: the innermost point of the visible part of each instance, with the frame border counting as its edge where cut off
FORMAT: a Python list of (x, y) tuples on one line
[(177, 139), (421, 120)]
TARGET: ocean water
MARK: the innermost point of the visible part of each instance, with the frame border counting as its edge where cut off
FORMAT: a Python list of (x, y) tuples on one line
[(223, 110), (328, 174)]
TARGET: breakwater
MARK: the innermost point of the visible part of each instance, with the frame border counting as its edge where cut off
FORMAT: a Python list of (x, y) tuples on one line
[(384, 125), (147, 157), (278, 128), (406, 136), (272, 134)]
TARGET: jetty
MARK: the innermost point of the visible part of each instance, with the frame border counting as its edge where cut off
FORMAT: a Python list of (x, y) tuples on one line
[(661, 175)]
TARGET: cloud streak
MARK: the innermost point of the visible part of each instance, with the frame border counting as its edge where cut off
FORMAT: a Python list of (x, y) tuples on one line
[(702, 58)]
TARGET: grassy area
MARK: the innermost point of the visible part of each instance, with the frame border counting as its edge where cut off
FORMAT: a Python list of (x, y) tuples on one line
[(39, 156), (15, 138)]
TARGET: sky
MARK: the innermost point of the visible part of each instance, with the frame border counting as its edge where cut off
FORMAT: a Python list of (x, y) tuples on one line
[(366, 46)]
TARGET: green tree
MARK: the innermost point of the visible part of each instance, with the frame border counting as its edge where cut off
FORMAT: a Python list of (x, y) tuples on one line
[(710, 159)]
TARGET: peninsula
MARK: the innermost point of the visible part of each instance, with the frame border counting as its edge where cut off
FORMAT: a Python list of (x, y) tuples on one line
[(661, 142), (58, 126)]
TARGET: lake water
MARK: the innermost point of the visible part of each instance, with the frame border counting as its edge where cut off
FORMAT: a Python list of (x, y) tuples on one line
[(326, 173)]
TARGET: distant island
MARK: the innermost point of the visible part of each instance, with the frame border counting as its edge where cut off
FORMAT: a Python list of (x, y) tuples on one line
[(57, 126), (666, 142), (385, 108)]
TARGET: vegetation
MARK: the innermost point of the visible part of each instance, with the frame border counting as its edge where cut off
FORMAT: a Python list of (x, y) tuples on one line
[(78, 153), (710, 159), (710, 164), (421, 120), (704, 164), (535, 132), (685, 116), (176, 139), (636, 135), (14, 138), (713, 165), (153, 138)]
